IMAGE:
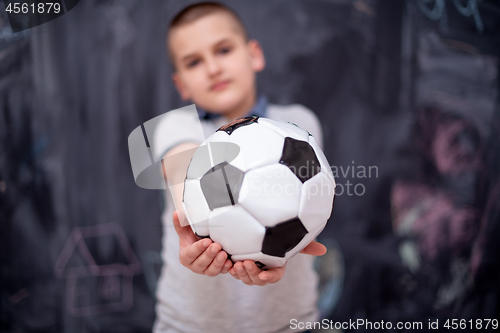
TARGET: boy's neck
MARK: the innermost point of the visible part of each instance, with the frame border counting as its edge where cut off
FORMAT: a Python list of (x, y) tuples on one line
[(242, 109)]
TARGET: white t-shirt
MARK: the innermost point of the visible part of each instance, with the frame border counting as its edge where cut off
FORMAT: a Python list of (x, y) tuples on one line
[(188, 302)]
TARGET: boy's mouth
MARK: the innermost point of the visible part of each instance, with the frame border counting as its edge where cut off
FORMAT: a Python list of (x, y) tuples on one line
[(219, 85)]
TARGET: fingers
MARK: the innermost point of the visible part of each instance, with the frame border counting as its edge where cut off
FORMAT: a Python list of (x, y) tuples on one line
[(201, 263), (253, 272), (216, 265), (242, 273), (314, 248), (188, 254), (227, 265), (272, 275), (250, 274), (233, 273), (201, 256), (205, 257)]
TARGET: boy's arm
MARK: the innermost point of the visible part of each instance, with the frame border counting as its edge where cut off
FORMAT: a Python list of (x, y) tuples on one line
[(202, 256)]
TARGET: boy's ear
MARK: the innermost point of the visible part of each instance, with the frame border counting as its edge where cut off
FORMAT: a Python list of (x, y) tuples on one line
[(180, 86), (257, 55)]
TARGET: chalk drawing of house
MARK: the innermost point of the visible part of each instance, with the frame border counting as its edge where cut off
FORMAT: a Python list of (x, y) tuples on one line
[(98, 264)]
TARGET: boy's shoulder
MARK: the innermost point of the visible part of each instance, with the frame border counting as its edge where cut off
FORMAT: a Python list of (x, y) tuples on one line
[(175, 127), (284, 112), (299, 115)]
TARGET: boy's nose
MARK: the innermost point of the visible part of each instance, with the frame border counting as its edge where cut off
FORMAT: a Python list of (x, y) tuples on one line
[(213, 67)]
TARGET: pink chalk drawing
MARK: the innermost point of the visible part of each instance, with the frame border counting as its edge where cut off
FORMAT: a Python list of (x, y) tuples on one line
[(450, 154), (98, 264), (455, 145), (431, 214)]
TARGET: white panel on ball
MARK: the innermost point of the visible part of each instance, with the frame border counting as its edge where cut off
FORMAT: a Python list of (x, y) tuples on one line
[(200, 163), (237, 162), (271, 194), (268, 260), (218, 143), (259, 146), (316, 201), (219, 136), (196, 207), (237, 231), (285, 129)]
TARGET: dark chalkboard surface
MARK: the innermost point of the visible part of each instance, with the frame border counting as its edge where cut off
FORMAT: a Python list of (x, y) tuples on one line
[(408, 88)]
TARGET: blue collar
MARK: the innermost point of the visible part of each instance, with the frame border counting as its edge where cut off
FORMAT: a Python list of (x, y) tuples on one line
[(259, 110)]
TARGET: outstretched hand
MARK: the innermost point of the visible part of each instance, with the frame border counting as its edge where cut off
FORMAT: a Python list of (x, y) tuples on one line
[(202, 256), (248, 272)]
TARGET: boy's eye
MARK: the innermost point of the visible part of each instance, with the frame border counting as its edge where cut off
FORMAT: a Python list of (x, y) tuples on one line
[(224, 50), (193, 63)]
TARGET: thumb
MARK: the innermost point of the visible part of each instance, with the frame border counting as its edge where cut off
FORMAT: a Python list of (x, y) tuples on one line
[(183, 229), (182, 219), (314, 248)]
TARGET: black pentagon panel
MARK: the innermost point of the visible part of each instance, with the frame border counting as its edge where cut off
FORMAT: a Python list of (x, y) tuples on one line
[(221, 185), (300, 157), (283, 237), (232, 126)]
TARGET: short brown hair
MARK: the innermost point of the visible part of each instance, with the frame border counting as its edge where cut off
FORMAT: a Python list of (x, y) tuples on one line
[(198, 10)]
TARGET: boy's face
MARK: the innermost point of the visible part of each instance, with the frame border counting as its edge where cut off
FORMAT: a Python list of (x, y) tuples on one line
[(215, 65)]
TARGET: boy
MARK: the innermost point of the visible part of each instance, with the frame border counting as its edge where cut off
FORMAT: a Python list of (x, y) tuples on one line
[(215, 66)]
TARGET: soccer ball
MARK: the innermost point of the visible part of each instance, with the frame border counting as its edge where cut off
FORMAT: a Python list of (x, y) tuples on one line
[(261, 188)]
